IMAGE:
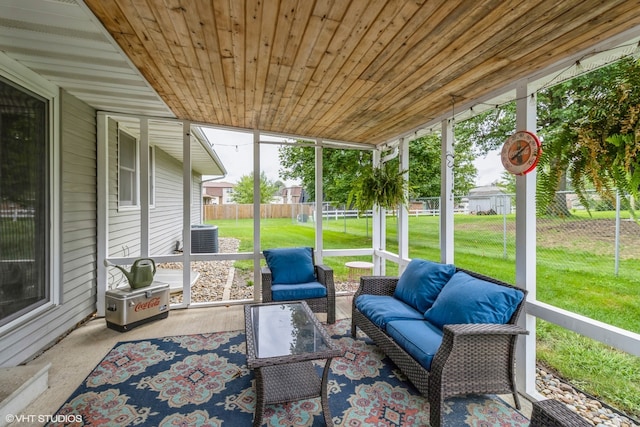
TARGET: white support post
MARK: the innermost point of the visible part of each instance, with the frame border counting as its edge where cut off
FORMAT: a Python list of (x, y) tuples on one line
[(403, 217), (144, 187), (102, 194), (446, 193), (186, 212), (319, 200), (526, 247), (378, 226), (256, 217)]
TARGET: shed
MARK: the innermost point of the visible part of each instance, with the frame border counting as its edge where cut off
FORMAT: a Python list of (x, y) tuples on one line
[(489, 200)]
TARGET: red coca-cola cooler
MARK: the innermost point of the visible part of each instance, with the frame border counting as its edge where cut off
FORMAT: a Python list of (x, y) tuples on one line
[(127, 308)]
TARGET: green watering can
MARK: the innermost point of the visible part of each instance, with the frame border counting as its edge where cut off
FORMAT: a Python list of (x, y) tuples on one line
[(141, 273)]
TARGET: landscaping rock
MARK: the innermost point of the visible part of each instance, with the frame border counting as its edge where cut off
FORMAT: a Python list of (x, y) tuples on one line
[(592, 410)]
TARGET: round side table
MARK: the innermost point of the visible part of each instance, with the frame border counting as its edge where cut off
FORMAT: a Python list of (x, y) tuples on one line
[(359, 268)]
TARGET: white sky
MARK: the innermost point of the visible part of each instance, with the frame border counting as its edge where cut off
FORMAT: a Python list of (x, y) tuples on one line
[(235, 149), (489, 168)]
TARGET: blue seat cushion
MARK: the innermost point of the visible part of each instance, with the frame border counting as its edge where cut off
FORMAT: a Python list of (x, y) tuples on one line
[(418, 338), (381, 309), (421, 282), (466, 299), (290, 265), (299, 291)]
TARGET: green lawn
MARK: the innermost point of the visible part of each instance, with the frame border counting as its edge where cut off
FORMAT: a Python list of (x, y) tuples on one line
[(576, 277)]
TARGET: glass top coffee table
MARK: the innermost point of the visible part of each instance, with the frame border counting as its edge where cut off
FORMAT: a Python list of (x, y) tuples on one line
[(282, 341)]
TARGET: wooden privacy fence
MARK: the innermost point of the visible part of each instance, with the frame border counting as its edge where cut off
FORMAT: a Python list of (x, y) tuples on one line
[(233, 211)]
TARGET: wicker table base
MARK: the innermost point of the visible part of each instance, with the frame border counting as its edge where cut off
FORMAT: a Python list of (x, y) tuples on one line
[(288, 383), (284, 370)]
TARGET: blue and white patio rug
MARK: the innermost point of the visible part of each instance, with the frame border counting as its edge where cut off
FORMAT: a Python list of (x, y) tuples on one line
[(203, 380)]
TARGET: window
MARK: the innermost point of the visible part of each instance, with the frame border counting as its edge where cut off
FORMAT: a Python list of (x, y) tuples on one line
[(127, 169), (25, 180), (152, 176)]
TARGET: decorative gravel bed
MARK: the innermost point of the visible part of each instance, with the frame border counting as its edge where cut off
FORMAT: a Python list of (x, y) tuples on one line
[(220, 281), (591, 409)]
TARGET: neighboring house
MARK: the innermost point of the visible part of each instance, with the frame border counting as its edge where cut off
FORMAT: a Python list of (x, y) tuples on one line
[(488, 199), (217, 192), (293, 194)]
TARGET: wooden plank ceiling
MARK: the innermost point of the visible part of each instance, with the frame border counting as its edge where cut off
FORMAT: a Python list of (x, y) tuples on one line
[(358, 71)]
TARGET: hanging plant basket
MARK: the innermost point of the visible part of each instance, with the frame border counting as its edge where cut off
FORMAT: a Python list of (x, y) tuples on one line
[(383, 186)]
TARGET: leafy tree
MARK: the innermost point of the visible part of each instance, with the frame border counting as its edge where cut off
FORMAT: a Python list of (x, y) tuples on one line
[(243, 191), (424, 167), (23, 162), (589, 127), (340, 167), (507, 182), (487, 131), (344, 167), (609, 137)]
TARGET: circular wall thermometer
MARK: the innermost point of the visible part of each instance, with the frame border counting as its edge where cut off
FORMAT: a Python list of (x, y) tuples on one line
[(521, 152)]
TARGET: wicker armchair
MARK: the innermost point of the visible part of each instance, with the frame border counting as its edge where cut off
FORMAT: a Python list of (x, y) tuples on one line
[(472, 359), (323, 275)]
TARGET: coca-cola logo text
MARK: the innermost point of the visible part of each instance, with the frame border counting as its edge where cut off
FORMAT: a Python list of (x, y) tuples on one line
[(154, 302)]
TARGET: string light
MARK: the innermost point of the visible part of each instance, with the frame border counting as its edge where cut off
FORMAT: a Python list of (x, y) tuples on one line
[(577, 64)]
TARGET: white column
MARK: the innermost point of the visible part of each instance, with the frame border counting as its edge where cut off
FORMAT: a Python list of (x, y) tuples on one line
[(102, 194), (446, 193), (319, 200), (403, 215), (144, 187), (256, 217), (378, 224), (526, 247), (186, 212)]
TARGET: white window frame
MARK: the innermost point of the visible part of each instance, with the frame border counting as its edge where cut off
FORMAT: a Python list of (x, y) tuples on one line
[(152, 176), (135, 203), (26, 78)]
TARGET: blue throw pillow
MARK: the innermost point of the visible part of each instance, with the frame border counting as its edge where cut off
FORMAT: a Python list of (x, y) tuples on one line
[(421, 282), (290, 266), (466, 299)]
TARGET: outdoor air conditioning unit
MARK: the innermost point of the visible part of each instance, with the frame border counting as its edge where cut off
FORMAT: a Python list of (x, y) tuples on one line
[(204, 239)]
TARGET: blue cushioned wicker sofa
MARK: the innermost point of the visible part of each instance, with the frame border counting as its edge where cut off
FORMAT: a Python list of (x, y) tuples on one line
[(449, 330)]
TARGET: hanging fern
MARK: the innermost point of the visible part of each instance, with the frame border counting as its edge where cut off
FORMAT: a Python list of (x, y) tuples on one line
[(383, 186), (592, 136)]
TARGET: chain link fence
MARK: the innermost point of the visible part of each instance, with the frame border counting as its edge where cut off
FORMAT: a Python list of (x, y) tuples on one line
[(605, 239)]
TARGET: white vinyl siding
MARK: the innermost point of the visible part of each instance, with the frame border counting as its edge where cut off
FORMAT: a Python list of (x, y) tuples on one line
[(165, 219), (124, 225), (196, 199)]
